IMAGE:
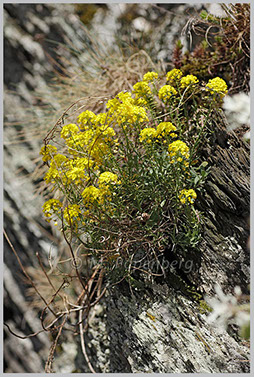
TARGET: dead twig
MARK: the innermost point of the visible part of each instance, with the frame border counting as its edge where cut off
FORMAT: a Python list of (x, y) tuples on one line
[(48, 366)]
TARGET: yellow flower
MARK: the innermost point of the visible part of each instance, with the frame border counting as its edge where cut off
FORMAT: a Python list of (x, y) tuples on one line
[(51, 207), (142, 89), (150, 76), (125, 97), (178, 151), (217, 85), (72, 211), (166, 92), (113, 105), (48, 151), (140, 102), (107, 132), (51, 175), (189, 195), (69, 130), (91, 194), (107, 177), (147, 134), (106, 180), (121, 98), (123, 110), (101, 119), (165, 128), (87, 117), (83, 162), (130, 114), (188, 80), (57, 163), (173, 75), (80, 141), (75, 170)]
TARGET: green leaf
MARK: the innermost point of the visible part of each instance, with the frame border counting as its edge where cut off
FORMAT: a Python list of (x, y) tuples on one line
[(162, 203), (196, 180), (204, 164)]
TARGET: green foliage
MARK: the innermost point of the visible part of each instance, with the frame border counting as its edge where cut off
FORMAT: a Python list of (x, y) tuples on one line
[(124, 179)]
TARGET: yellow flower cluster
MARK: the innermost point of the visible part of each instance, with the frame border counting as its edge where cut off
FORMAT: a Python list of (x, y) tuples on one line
[(131, 114), (178, 151), (47, 152), (122, 97), (124, 111), (72, 213), (66, 170), (107, 178), (76, 170), (217, 85), (92, 194), (189, 80), (189, 195), (166, 92), (93, 142), (141, 102), (101, 119), (50, 207), (86, 118), (55, 169), (69, 130), (163, 129), (150, 76), (147, 134), (105, 132), (142, 89), (173, 75)]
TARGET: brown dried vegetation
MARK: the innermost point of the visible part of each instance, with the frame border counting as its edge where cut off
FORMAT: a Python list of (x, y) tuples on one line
[(223, 49)]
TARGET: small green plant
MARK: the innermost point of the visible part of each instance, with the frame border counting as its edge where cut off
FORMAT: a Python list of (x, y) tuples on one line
[(125, 180), (224, 48)]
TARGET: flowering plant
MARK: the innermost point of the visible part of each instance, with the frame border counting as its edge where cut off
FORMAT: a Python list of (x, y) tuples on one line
[(125, 180)]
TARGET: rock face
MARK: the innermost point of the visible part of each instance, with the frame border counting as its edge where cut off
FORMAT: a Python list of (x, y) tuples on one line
[(177, 340), (30, 31), (160, 326)]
